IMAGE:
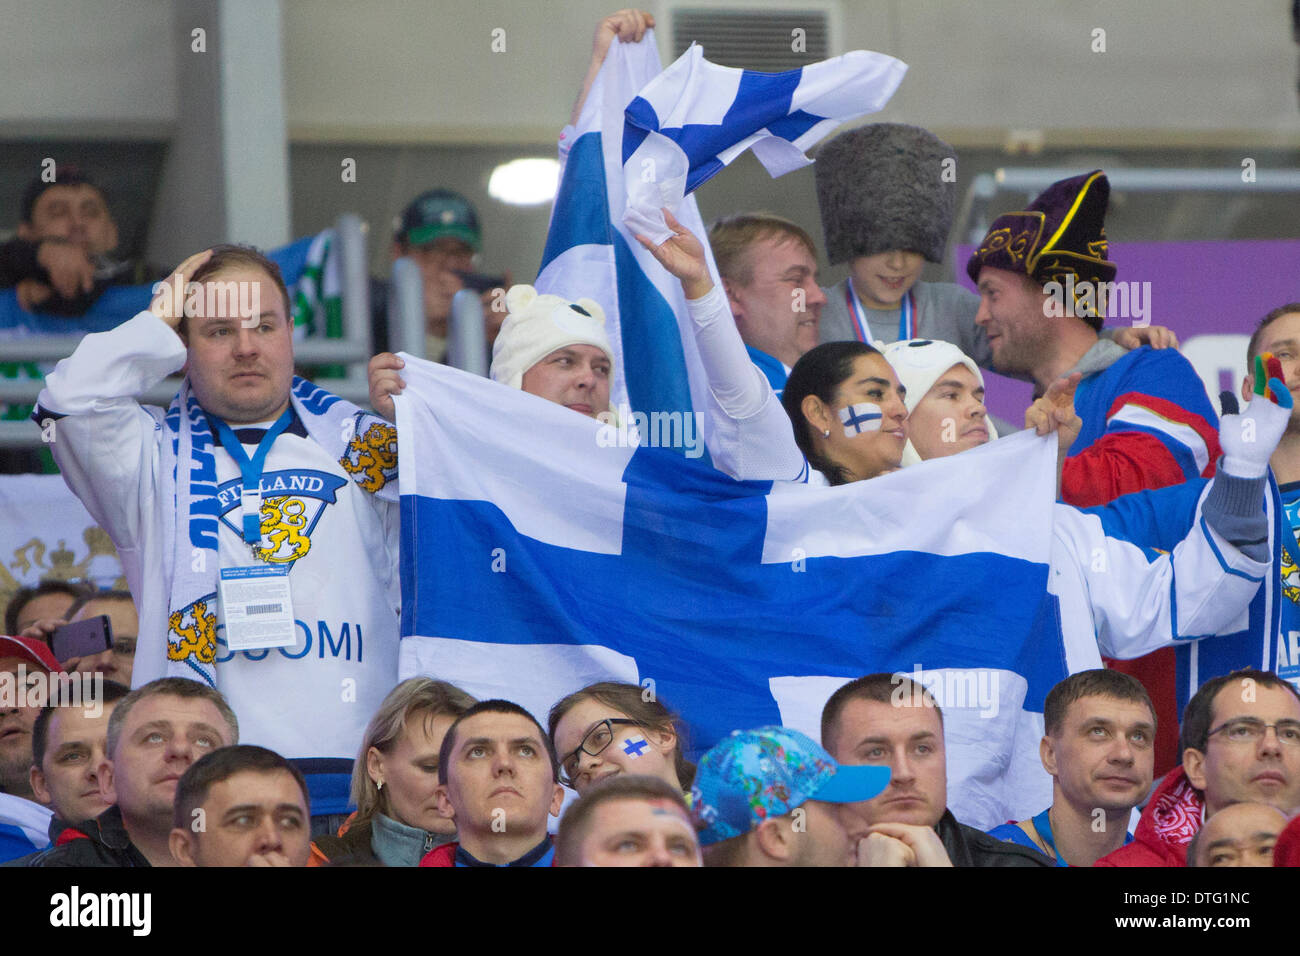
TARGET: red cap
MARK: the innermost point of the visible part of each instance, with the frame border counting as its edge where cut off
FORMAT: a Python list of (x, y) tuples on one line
[(30, 649)]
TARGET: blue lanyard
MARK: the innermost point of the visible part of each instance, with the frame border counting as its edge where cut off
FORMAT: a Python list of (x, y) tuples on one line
[(906, 315), (251, 468), (1044, 827)]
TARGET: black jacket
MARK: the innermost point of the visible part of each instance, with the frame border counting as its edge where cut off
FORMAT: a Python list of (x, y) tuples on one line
[(350, 848), (105, 843), (967, 846)]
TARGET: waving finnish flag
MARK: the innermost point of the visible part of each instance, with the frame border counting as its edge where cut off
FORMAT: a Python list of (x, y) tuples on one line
[(550, 558), (697, 117), (612, 161)]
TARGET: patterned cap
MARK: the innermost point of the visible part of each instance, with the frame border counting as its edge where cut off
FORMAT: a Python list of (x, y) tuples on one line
[(435, 214), (1062, 233), (756, 775)]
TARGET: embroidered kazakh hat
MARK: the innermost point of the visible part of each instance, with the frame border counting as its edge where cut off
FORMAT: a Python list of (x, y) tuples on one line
[(1061, 235)]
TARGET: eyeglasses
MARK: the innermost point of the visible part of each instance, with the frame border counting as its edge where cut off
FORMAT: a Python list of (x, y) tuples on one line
[(597, 739), (1252, 730)]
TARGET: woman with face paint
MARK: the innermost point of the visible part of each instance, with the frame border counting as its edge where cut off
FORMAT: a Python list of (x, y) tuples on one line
[(848, 411)]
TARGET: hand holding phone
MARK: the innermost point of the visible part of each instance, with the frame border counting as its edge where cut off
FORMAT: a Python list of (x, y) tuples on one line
[(82, 639)]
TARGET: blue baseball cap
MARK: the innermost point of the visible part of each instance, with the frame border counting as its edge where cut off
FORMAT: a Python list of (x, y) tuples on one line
[(755, 775)]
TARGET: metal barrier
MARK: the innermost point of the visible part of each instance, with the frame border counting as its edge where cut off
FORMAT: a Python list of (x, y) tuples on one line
[(466, 339), (353, 349), (467, 343)]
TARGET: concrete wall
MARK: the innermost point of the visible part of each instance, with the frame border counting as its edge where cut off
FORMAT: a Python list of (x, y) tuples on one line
[(424, 70)]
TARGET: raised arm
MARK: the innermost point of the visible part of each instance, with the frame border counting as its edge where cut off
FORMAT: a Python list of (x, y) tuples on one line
[(751, 437)]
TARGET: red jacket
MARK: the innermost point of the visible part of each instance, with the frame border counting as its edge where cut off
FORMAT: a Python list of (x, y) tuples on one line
[(444, 855), (1168, 823)]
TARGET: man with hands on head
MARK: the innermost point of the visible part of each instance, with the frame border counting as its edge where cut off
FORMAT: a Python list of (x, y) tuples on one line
[(254, 488)]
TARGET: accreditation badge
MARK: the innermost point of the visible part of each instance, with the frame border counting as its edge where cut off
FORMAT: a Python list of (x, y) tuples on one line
[(256, 607)]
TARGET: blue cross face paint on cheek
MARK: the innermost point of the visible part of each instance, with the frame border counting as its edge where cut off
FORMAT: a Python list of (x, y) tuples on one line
[(635, 745), (860, 418)]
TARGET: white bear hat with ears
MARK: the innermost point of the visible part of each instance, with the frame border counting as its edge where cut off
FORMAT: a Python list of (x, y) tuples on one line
[(919, 363), (537, 325)]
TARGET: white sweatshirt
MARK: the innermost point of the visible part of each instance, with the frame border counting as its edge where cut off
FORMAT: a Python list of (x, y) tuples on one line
[(309, 700)]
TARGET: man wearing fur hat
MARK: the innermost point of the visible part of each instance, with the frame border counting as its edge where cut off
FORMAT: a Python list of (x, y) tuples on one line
[(548, 347), (1147, 422)]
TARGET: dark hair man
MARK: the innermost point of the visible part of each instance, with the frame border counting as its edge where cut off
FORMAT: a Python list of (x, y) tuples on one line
[(69, 746), (1098, 749), (498, 776), (59, 262), (48, 600), (888, 720), (242, 806)]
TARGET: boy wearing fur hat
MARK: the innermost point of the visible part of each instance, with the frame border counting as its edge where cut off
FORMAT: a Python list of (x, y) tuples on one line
[(886, 209), (548, 347)]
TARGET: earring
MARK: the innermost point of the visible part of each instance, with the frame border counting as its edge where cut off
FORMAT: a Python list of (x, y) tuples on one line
[(379, 785), (826, 433)]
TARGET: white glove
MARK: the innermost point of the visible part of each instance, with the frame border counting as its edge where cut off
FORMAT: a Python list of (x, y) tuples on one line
[(1250, 438)]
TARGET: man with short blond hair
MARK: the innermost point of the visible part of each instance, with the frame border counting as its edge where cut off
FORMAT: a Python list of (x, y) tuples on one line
[(768, 267), (888, 720), (154, 734)]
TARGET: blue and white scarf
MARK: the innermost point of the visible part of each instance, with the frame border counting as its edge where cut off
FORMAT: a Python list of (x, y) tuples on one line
[(364, 445)]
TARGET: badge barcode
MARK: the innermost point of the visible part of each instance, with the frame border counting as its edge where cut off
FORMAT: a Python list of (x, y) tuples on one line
[(263, 609)]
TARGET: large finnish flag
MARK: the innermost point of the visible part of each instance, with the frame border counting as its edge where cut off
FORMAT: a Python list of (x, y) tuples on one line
[(643, 140), (539, 556)]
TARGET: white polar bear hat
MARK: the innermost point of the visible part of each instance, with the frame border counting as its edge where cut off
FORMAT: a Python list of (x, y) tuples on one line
[(537, 325), (919, 363)]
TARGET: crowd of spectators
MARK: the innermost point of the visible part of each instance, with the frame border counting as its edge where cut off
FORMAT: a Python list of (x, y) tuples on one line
[(1150, 764)]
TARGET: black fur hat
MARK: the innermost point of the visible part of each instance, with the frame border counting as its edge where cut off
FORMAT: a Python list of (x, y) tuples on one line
[(882, 187)]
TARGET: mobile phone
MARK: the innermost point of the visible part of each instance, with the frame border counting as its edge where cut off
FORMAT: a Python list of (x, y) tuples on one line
[(481, 281), (82, 639)]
